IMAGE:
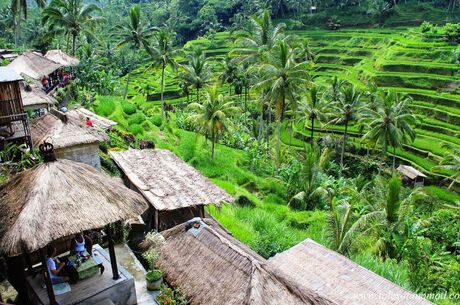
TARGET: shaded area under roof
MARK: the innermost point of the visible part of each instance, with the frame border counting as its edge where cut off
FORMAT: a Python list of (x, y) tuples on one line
[(8, 74), (58, 199), (213, 268), (62, 58), (410, 172), (34, 65), (339, 279), (166, 181)]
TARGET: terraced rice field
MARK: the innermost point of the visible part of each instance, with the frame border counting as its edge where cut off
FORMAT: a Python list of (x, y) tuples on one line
[(399, 60)]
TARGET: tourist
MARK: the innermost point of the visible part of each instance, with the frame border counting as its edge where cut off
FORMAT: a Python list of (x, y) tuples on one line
[(82, 243), (89, 122), (56, 271), (45, 83)]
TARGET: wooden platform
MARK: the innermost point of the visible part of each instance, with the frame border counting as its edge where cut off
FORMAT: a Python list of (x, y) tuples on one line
[(92, 290)]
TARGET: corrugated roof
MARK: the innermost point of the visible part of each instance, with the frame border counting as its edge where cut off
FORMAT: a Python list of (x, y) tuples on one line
[(8, 75), (166, 181), (339, 279), (410, 172)]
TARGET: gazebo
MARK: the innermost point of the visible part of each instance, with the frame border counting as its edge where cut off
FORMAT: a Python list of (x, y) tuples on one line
[(175, 190), (58, 199), (411, 175)]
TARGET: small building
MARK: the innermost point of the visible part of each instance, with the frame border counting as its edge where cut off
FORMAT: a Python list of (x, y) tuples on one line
[(34, 65), (35, 99), (14, 122), (411, 176), (339, 279), (211, 267), (50, 202), (80, 114), (175, 190), (8, 54), (71, 137), (62, 58)]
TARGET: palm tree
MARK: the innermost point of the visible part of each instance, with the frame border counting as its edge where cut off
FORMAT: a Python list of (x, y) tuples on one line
[(390, 124), (346, 108), (450, 162), (312, 190), (229, 75), (74, 17), (198, 71), (213, 115), (163, 55), (134, 33), (389, 216), (18, 7), (284, 80), (335, 90), (263, 36), (313, 108)]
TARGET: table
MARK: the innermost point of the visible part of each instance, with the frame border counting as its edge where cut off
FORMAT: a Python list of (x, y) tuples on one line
[(87, 269)]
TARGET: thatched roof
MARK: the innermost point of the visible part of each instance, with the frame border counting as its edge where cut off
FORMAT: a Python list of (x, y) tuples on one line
[(80, 113), (64, 131), (34, 65), (58, 199), (410, 172), (8, 75), (35, 98), (166, 181), (339, 279), (62, 58), (212, 268)]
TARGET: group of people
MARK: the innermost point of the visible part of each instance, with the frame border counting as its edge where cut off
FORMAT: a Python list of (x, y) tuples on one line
[(61, 78), (62, 270)]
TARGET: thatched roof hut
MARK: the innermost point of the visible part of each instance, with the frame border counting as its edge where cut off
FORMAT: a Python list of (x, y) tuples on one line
[(62, 58), (339, 279), (80, 114), (34, 65), (166, 181), (35, 98), (56, 128), (61, 198), (212, 268)]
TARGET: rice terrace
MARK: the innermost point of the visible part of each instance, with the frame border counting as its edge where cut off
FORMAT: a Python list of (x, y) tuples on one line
[(230, 152)]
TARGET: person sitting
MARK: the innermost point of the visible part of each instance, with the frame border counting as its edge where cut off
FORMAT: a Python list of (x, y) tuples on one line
[(83, 242), (55, 271), (89, 122)]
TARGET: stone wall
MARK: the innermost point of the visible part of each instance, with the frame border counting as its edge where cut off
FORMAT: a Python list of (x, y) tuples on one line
[(86, 153)]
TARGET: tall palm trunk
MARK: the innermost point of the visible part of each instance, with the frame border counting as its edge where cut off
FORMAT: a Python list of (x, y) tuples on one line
[(213, 140), (261, 125), (278, 142), (343, 143), (162, 91), (74, 43), (128, 79), (312, 130), (394, 157)]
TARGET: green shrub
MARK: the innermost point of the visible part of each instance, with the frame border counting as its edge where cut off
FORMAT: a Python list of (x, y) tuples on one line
[(156, 120), (128, 108), (137, 118), (105, 107), (154, 275), (136, 129), (452, 32), (426, 27)]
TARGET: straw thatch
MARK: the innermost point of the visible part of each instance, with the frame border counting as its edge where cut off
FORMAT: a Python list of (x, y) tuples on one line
[(63, 131), (339, 279), (35, 98), (166, 181), (34, 65), (213, 268), (80, 114), (58, 199), (62, 58), (410, 172)]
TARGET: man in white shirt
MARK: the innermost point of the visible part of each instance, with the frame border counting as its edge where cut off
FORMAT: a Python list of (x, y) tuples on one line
[(55, 270)]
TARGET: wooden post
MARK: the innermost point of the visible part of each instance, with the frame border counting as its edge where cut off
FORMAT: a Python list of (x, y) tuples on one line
[(47, 276), (202, 211), (157, 220), (30, 269), (113, 258)]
